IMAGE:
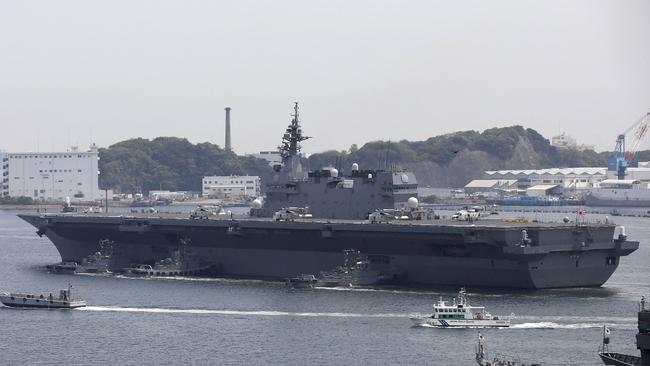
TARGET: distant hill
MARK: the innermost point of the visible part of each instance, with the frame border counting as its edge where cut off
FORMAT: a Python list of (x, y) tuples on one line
[(170, 163), (453, 159), (449, 160)]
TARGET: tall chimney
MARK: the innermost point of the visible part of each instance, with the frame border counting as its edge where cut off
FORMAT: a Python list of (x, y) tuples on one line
[(228, 144)]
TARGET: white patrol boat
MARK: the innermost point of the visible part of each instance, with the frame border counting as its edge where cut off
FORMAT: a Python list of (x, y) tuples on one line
[(460, 314), (63, 301)]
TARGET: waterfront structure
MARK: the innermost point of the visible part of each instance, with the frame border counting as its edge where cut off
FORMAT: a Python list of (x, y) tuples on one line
[(640, 172), (490, 185), (53, 176), (170, 195), (544, 190), (231, 186), (567, 178)]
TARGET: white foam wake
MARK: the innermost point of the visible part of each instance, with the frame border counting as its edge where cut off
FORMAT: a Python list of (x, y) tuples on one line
[(565, 318), (553, 325), (236, 312)]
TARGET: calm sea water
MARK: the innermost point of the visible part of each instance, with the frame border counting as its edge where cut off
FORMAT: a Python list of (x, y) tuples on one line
[(222, 322)]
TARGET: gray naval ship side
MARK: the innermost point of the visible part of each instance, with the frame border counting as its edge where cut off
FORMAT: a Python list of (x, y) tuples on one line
[(488, 253), (326, 192)]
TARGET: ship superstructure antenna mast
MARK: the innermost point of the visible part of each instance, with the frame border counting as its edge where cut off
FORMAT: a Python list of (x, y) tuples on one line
[(290, 148)]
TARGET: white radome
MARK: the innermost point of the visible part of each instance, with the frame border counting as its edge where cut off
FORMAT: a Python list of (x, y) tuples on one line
[(334, 173), (355, 167), (257, 203), (412, 202)]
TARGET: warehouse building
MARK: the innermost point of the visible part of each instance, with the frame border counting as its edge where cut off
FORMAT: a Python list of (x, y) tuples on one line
[(52, 176)]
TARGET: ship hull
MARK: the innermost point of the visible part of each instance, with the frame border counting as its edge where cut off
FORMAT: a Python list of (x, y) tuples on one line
[(460, 323), (593, 200), (420, 254), (617, 359)]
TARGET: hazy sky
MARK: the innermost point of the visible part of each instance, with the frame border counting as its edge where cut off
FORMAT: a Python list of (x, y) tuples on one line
[(72, 72)]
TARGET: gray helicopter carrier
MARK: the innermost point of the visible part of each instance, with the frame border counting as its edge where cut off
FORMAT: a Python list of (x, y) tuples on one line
[(488, 253)]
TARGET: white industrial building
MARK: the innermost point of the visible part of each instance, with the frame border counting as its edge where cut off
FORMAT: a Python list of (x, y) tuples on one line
[(170, 195), (4, 174), (564, 141), (231, 186), (490, 185), (52, 176), (566, 178), (642, 172), (544, 190)]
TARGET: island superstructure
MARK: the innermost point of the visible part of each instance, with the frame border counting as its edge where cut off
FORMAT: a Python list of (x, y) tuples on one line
[(489, 253), (328, 192)]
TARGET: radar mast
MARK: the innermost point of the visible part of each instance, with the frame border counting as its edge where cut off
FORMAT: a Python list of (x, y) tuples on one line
[(290, 148)]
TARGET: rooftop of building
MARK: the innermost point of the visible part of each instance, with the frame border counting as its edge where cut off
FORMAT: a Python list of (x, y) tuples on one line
[(551, 171), (490, 183)]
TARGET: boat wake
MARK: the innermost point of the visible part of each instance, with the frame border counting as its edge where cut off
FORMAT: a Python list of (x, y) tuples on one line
[(595, 318), (21, 237), (540, 325), (376, 289), (553, 325), (235, 312)]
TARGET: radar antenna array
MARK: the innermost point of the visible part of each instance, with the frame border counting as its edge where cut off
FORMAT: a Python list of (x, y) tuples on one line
[(292, 137)]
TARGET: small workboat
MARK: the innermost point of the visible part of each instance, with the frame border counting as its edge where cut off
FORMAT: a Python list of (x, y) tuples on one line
[(461, 314), (359, 270), (177, 265), (301, 281), (100, 261), (63, 301), (63, 268)]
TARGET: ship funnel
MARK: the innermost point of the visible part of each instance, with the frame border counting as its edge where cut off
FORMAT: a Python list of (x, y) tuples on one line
[(228, 142)]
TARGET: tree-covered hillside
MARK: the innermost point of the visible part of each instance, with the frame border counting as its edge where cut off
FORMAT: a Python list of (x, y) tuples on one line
[(499, 143), (449, 160), (170, 163)]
